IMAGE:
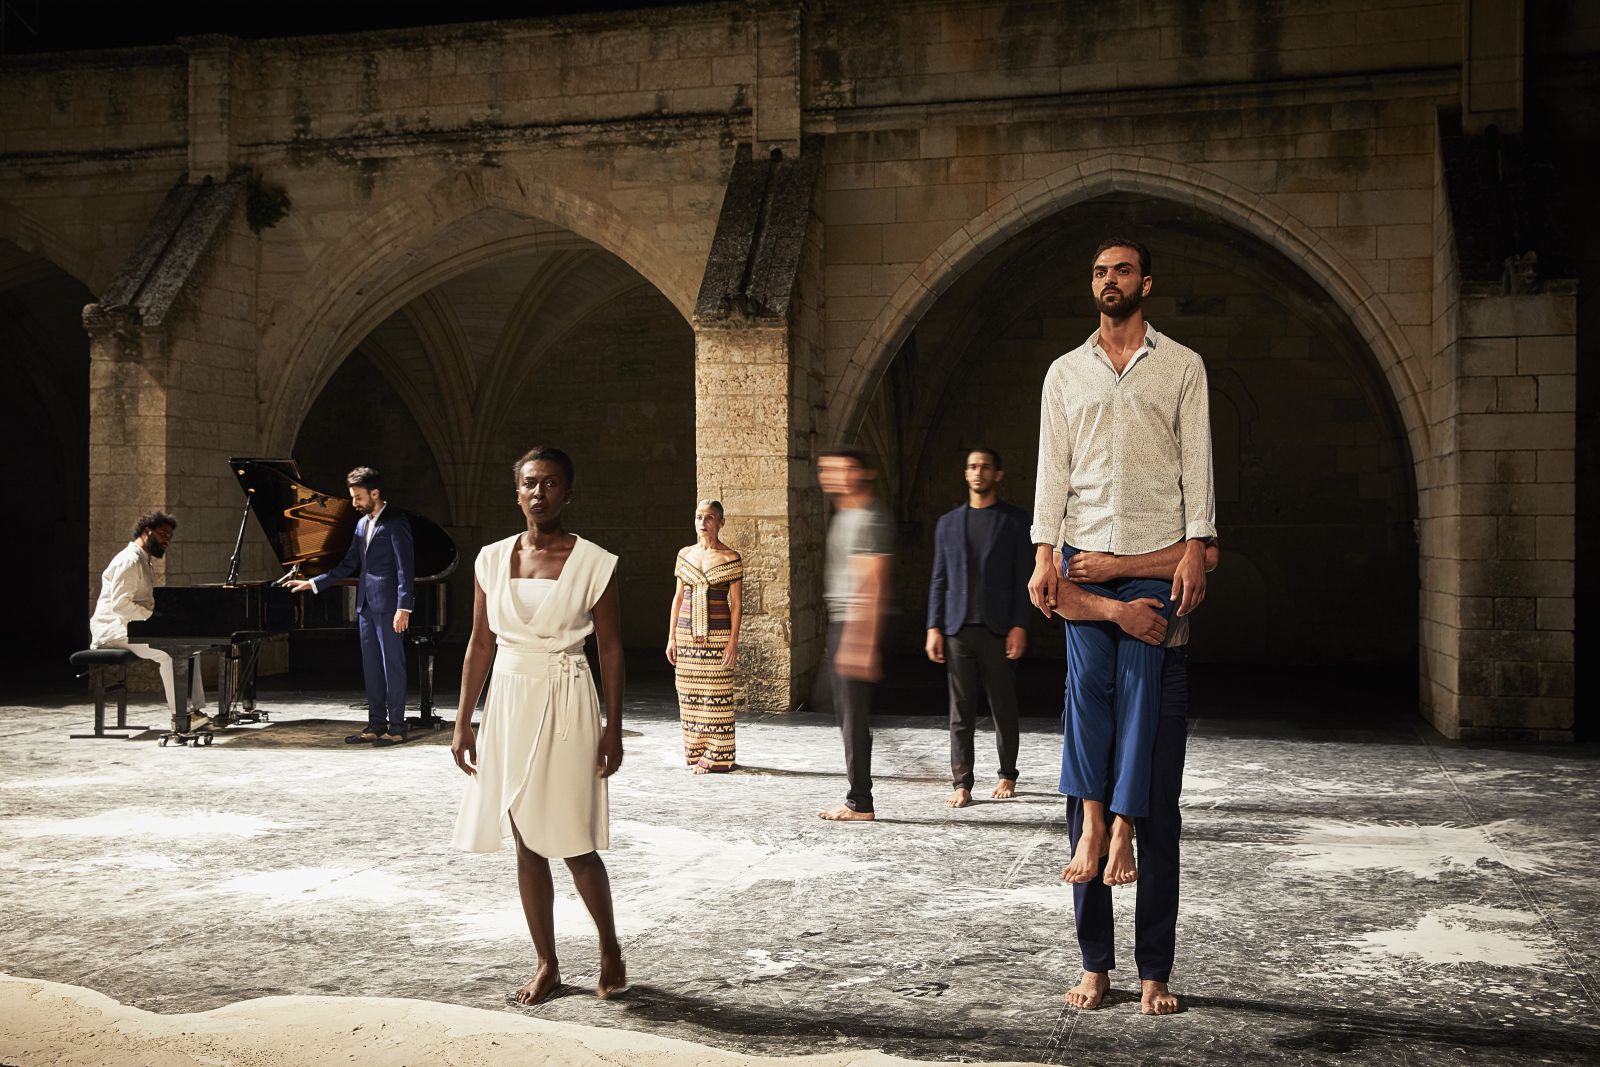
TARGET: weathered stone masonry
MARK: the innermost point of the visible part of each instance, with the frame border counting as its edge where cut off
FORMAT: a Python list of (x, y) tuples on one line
[(799, 183)]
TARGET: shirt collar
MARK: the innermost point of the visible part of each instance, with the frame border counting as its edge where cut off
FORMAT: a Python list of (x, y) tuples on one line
[(1151, 340), (142, 552)]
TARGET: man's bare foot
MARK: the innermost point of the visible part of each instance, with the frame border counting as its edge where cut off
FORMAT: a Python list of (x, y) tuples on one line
[(1120, 867), (1005, 790), (1089, 992), (845, 814), (1156, 999), (1086, 860), (613, 976), (544, 982), (959, 799)]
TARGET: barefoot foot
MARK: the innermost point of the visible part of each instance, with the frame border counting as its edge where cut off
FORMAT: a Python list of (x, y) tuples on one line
[(700, 768), (1156, 999), (613, 975), (544, 982), (1120, 866), (959, 799), (1086, 860), (1005, 790), (1089, 992), (845, 814)]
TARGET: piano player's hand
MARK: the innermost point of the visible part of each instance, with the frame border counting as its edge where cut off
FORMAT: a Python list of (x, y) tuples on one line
[(300, 585), (464, 747)]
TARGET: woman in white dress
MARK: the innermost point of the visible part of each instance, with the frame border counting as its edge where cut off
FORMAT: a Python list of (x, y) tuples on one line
[(538, 765)]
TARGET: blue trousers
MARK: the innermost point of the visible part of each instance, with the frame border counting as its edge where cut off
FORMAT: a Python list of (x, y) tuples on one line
[(383, 664), (1112, 699), (1155, 917)]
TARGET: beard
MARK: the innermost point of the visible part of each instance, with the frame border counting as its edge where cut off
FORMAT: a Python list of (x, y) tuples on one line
[(156, 549), (1125, 305)]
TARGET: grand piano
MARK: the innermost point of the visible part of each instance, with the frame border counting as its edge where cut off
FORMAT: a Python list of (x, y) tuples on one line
[(309, 531)]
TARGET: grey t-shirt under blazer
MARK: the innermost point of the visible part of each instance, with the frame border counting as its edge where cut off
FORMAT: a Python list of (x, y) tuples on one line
[(1125, 460)]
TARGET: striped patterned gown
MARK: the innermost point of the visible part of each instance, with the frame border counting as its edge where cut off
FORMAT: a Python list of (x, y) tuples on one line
[(705, 686)]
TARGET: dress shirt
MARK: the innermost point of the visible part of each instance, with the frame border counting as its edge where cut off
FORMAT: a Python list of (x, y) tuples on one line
[(127, 593), (1125, 460)]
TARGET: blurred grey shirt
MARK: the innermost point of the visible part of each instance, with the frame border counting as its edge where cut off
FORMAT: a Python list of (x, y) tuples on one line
[(863, 531), (1125, 460)]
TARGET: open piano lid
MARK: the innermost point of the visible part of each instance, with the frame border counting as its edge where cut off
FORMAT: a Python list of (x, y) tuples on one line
[(313, 529)]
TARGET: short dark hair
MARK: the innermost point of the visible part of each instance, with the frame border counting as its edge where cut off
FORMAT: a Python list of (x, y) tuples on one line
[(550, 454), (368, 478), (992, 453), (859, 456), (1127, 242), (155, 520)]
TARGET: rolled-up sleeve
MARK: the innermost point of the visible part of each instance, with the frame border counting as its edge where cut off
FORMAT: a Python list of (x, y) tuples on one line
[(1194, 438), (1055, 463)]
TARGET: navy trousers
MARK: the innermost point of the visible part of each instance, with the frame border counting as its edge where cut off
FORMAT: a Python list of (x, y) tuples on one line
[(383, 664), (1112, 694), (1155, 916)]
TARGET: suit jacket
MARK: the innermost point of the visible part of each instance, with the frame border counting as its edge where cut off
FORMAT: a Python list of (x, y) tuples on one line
[(386, 567), (1007, 566)]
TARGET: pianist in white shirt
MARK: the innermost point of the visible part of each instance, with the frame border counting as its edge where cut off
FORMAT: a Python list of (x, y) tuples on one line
[(127, 593)]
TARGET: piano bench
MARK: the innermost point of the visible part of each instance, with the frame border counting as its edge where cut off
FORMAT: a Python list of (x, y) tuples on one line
[(97, 664)]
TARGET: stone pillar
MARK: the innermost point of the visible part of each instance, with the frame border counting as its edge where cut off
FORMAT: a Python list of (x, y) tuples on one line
[(751, 457), (1491, 83), (211, 148), (780, 69)]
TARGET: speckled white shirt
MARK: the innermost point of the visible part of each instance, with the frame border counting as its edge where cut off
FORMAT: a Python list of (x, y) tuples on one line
[(1125, 460)]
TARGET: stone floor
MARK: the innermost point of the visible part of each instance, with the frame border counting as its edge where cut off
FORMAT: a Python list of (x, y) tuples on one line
[(1364, 895)]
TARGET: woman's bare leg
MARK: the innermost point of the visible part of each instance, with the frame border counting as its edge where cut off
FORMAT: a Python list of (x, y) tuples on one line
[(539, 906), (594, 886)]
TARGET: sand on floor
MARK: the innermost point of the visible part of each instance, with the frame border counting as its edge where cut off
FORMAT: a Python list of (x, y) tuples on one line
[(49, 1023)]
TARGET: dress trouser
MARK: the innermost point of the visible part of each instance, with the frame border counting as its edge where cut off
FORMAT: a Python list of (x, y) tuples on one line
[(852, 705), (383, 665), (1155, 917), (976, 661), (1113, 683), (163, 662)]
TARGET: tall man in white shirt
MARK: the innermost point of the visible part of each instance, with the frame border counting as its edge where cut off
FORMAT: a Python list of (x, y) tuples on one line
[(1125, 469), (127, 594)]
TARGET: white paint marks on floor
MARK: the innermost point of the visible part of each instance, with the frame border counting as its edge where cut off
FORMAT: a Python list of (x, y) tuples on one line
[(1466, 933), (373, 887), (1338, 847), (150, 822)]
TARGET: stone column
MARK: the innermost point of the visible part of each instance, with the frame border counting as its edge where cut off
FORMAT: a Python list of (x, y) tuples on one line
[(211, 148), (752, 459)]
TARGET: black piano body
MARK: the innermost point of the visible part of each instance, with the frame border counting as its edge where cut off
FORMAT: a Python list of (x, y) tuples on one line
[(309, 531)]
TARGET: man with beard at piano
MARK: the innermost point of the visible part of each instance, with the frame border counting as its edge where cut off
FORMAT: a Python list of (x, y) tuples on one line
[(127, 593), (382, 554)]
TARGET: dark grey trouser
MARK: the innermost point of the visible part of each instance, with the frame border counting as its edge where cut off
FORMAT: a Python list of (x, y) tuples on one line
[(976, 662), (852, 704)]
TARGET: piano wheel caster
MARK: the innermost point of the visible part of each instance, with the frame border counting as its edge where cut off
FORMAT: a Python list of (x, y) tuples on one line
[(162, 741), (208, 738)]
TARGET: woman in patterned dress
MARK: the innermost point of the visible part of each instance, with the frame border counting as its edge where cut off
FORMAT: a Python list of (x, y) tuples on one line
[(703, 641)]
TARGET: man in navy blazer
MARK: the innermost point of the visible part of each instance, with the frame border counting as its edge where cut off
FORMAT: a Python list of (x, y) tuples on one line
[(977, 617), (381, 554)]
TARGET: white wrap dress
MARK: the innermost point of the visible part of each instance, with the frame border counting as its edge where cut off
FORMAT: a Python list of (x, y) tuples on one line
[(539, 739)]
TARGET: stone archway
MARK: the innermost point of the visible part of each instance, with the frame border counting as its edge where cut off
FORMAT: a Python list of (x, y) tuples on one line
[(1230, 202), (460, 222)]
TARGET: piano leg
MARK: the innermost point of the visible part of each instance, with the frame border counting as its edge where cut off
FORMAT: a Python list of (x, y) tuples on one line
[(184, 664), (426, 714)]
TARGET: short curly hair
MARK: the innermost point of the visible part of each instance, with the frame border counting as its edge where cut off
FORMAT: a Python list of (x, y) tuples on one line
[(154, 520)]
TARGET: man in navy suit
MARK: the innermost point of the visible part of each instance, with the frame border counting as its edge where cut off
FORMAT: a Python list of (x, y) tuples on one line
[(977, 615), (381, 553)]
